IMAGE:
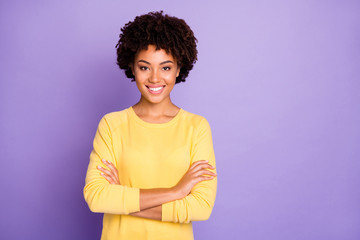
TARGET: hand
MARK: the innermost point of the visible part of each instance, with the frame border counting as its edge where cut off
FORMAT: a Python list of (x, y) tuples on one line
[(110, 175), (194, 175)]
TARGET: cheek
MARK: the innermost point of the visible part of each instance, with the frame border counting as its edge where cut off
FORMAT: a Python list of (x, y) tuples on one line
[(170, 78), (140, 78)]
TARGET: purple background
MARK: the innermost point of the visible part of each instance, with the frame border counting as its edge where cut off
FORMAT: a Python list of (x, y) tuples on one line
[(277, 81)]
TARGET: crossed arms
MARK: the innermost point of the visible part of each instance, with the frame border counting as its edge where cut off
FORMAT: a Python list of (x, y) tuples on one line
[(191, 199)]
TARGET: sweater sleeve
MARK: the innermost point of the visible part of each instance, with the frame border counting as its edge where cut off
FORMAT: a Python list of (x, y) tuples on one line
[(100, 195), (198, 205)]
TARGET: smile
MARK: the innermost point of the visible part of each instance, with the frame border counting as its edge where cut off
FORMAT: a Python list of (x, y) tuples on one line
[(156, 91)]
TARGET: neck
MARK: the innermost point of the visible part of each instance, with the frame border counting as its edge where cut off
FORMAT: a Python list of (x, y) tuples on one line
[(154, 109)]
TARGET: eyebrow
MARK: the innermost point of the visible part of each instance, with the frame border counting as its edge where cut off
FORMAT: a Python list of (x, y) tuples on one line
[(168, 61)]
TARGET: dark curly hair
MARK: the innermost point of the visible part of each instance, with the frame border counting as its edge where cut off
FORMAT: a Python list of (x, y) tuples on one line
[(165, 32)]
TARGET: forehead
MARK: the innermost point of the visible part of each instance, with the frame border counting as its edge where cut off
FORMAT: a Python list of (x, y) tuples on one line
[(151, 54)]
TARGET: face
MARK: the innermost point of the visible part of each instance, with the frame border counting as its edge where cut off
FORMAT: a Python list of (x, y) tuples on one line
[(155, 74)]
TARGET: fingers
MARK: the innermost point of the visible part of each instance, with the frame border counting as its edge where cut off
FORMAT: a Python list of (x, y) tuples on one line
[(201, 171), (198, 163), (205, 172), (108, 178), (204, 178), (201, 178), (107, 174), (110, 175), (202, 164), (111, 167)]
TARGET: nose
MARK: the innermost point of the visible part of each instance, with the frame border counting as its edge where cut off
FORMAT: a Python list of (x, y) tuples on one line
[(155, 77)]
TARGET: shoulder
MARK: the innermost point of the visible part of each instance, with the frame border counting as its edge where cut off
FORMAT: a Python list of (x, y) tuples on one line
[(196, 120), (116, 116), (114, 120)]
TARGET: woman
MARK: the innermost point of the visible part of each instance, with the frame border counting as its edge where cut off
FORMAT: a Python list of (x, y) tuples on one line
[(152, 167)]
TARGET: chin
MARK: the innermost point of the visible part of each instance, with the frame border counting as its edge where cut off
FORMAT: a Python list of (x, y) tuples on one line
[(154, 100)]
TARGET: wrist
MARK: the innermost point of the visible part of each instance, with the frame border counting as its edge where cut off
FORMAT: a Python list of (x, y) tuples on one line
[(176, 193)]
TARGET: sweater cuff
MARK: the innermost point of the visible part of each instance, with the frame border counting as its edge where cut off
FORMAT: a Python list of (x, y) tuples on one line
[(133, 201), (167, 212)]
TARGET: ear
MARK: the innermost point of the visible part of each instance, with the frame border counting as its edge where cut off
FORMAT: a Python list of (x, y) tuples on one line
[(178, 71)]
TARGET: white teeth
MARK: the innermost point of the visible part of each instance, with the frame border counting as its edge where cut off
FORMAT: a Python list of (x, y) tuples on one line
[(155, 89)]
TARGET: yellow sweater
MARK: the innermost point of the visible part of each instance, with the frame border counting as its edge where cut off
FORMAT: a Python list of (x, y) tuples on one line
[(149, 155)]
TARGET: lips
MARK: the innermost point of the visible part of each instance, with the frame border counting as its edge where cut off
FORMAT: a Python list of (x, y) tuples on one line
[(154, 86), (155, 89)]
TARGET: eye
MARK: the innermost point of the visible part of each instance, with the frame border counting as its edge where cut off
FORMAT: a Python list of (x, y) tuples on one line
[(166, 68), (143, 68)]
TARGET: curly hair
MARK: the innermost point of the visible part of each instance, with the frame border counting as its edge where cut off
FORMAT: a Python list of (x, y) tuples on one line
[(165, 32)]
